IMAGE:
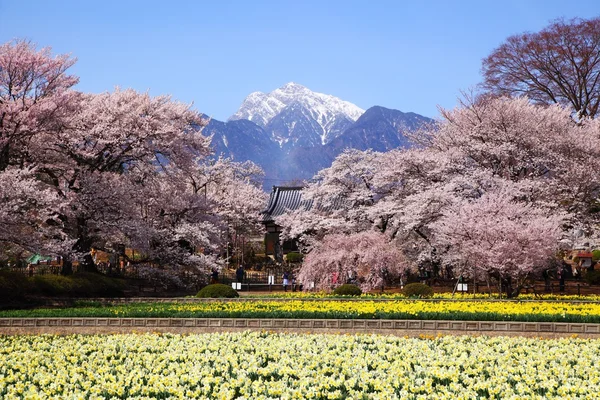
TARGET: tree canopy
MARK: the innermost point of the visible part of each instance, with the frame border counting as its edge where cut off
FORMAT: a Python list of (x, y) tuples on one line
[(560, 64), (492, 191), (110, 170)]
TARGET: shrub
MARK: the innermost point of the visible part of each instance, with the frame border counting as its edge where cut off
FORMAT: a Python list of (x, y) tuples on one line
[(87, 284), (347, 290), (294, 257), (13, 285), (592, 277), (596, 255), (218, 290), (83, 284), (53, 285), (417, 290)]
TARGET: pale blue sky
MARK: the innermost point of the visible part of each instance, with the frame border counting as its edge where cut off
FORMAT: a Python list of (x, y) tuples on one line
[(410, 56)]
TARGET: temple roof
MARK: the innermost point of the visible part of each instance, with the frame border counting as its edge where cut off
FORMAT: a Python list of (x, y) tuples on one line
[(289, 198)]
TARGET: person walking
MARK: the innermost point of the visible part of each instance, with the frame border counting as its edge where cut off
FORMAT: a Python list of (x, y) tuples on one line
[(239, 273), (286, 281)]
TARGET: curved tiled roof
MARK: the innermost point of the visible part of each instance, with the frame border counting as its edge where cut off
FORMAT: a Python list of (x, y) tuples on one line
[(288, 198)]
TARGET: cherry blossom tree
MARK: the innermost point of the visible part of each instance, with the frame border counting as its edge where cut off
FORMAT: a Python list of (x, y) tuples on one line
[(367, 258), (537, 155), (35, 97), (110, 170), (498, 236), (27, 214)]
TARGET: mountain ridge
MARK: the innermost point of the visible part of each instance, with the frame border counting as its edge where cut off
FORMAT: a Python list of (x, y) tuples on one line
[(293, 132)]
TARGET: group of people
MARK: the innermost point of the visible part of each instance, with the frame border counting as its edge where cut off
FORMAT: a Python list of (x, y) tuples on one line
[(240, 273)]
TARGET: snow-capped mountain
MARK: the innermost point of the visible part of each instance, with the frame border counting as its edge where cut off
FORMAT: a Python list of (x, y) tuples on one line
[(293, 132), (296, 116)]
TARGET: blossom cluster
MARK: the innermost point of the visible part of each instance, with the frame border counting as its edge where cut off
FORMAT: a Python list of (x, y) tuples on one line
[(262, 365)]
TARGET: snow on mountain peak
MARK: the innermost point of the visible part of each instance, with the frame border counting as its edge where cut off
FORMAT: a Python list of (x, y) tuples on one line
[(325, 110)]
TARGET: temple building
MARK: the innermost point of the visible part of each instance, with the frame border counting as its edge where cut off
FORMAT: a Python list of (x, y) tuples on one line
[(281, 200)]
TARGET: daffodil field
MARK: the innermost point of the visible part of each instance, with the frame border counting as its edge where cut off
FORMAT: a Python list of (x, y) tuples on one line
[(262, 365), (525, 311)]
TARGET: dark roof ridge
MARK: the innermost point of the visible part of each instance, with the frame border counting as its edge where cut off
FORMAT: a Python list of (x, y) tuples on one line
[(288, 187)]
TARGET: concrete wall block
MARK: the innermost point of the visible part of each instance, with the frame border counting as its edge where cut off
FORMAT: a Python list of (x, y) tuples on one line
[(318, 323), (386, 325), (346, 324), (500, 326), (305, 323), (442, 325), (415, 325), (515, 326), (241, 323), (332, 323), (472, 326), (266, 323), (486, 326), (359, 324), (279, 323), (401, 324)]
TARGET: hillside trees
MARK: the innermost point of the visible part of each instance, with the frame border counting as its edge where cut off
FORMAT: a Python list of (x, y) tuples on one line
[(110, 170), (560, 64), (433, 201)]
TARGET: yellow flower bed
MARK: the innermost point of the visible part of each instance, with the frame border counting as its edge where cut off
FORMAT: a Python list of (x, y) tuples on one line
[(445, 295), (290, 366), (400, 308), (484, 310)]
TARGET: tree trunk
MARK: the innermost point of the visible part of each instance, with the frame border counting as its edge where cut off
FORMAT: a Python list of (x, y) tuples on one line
[(67, 265), (84, 246), (86, 263), (4, 159)]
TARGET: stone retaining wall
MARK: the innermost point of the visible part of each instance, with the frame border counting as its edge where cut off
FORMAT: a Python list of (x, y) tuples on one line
[(342, 326)]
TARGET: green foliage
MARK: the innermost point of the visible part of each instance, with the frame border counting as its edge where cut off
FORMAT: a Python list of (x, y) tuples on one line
[(79, 285), (217, 290), (294, 257), (53, 285), (593, 277), (97, 285), (417, 290), (347, 290), (595, 255), (13, 285)]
